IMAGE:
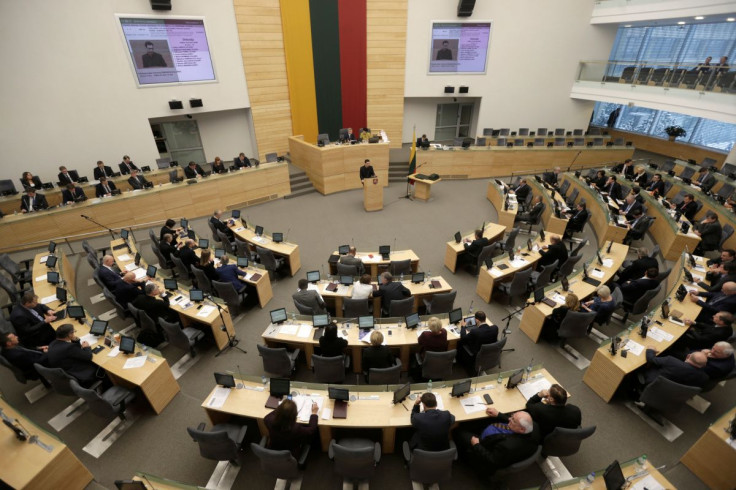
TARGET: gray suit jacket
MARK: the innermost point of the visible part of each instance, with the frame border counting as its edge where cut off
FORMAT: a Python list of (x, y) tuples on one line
[(350, 260), (310, 299)]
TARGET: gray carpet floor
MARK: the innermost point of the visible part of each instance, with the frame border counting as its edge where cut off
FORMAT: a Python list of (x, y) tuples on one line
[(159, 444)]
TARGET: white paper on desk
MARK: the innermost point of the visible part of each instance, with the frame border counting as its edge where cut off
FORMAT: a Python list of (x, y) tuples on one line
[(518, 263), (659, 335), (375, 258), (89, 338), (495, 272), (473, 404), (699, 268), (239, 228), (258, 239), (607, 263), (134, 362), (219, 397), (304, 331), (124, 257), (634, 347), (597, 274), (288, 329), (558, 298), (205, 311), (531, 388), (304, 405), (731, 442), (47, 299), (697, 278), (114, 351), (41, 278), (341, 335), (44, 259), (139, 274), (647, 482)]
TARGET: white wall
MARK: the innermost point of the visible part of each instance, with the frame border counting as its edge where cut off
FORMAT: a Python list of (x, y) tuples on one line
[(533, 58), (69, 94), (642, 10), (424, 114)]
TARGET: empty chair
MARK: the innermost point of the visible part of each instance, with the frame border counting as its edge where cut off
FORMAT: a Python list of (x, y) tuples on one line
[(440, 303), (271, 157), (664, 395), (575, 325), (59, 380), (355, 459), (353, 308), (571, 199), (111, 403), (269, 261), (431, 467), (401, 307), (576, 250), (154, 238), (663, 275), (93, 261), (726, 233), (234, 299), (143, 320), (658, 76), (565, 442), (518, 466), (18, 275), (518, 287), (13, 292), (438, 365), (242, 248), (278, 361), (226, 243), (223, 442), (398, 267), (347, 269), (644, 73), (323, 138), (385, 376), (203, 282), (518, 142), (687, 173), (510, 241), (281, 464), (485, 253), (489, 356), (121, 310), (641, 305), (564, 187), (182, 338), (542, 278), (480, 141), (328, 369), (17, 372), (181, 269)]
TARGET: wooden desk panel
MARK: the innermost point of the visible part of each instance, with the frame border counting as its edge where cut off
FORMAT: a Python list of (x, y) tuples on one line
[(711, 458), (496, 196), (628, 469), (374, 263), (287, 250), (552, 224), (492, 231), (604, 230)]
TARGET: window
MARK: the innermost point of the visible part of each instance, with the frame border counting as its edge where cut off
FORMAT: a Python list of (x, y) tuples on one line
[(636, 119), (665, 119), (602, 111), (714, 134)]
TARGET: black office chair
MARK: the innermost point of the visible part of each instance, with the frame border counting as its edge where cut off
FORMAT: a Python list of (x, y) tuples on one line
[(401, 307), (122, 311), (542, 278), (438, 365), (269, 261), (440, 303), (663, 396), (575, 325), (113, 402), (278, 361), (489, 356), (281, 464), (304, 309), (181, 338), (641, 305), (518, 467), (385, 376), (203, 282), (18, 275), (398, 267), (347, 269), (518, 287), (328, 369), (353, 308), (431, 467), (565, 442), (223, 442), (355, 459)]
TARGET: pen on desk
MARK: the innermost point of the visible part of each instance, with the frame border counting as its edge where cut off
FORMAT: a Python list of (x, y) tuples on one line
[(402, 404)]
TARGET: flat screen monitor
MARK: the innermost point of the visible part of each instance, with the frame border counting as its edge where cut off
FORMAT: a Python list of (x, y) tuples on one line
[(456, 315), (99, 327), (346, 280), (401, 394), (458, 237), (203, 243), (130, 485), (124, 234), (613, 477), (242, 261), (459, 47), (365, 322), (51, 261), (61, 294), (280, 387), (127, 344), (75, 311), (412, 321), (313, 276), (219, 252), (278, 316), (515, 379), (319, 321), (459, 389), (52, 277), (340, 394), (259, 230), (224, 379), (384, 249), (137, 259), (191, 234), (184, 223), (417, 277), (235, 214), (538, 295), (151, 271), (278, 237), (196, 295), (52, 247), (343, 249), (171, 284)]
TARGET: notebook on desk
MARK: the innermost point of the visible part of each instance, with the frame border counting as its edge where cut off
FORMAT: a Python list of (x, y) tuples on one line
[(549, 303), (255, 277), (331, 287), (502, 266), (592, 282), (435, 284), (341, 410)]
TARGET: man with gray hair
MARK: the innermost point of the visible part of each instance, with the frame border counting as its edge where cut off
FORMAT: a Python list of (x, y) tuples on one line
[(187, 255), (720, 360), (507, 440), (217, 224), (155, 308), (389, 291), (108, 275)]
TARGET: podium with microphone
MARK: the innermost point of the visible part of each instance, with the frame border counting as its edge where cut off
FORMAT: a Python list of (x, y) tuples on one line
[(372, 194)]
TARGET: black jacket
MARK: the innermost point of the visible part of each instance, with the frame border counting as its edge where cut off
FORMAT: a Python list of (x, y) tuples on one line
[(31, 331), (431, 429), (556, 251), (674, 370), (637, 269), (688, 210), (550, 416), (478, 336), (99, 173), (710, 235), (156, 308), (39, 202), (378, 357), (74, 359), (192, 173), (500, 451), (100, 190), (367, 172), (635, 289), (391, 291), (24, 359), (475, 247)]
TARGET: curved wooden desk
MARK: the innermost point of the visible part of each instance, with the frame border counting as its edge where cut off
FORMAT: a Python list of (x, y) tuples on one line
[(496, 194), (600, 217), (552, 224), (288, 250), (492, 231), (711, 458), (374, 264)]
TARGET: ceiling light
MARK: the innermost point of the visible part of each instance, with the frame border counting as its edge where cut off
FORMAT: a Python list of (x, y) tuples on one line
[(627, 25), (730, 19), (699, 17), (681, 23)]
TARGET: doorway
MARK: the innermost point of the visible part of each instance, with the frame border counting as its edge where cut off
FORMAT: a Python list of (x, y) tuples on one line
[(453, 121), (179, 140)]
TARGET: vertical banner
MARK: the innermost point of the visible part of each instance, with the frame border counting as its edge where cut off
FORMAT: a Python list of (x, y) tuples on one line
[(352, 17)]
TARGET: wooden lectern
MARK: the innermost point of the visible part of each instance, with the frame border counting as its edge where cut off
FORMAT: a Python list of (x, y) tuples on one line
[(372, 194)]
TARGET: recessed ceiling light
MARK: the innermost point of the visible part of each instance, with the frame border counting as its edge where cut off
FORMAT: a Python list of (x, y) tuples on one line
[(627, 25), (730, 19), (681, 23), (699, 17)]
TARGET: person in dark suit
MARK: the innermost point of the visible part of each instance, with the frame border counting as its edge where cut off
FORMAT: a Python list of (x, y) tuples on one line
[(155, 308), (351, 259), (725, 273), (688, 208), (231, 273), (720, 360), (366, 171), (522, 190), (709, 230), (72, 194), (21, 357), (31, 321), (553, 322), (637, 228), (612, 188), (549, 409), (169, 228), (377, 356), (187, 255), (603, 305), (556, 250), (423, 142), (128, 289), (109, 276), (216, 221), (636, 288), (599, 182), (655, 186), (241, 161), (444, 53), (727, 255), (639, 267), (73, 356), (703, 335), (330, 344), (218, 167), (102, 170), (434, 339), (577, 220), (706, 180), (284, 433), (32, 201), (552, 178), (350, 136), (193, 171), (65, 177), (689, 372), (630, 206), (715, 302), (207, 265), (168, 249), (474, 248), (152, 59), (507, 440), (471, 340), (309, 298), (30, 180), (137, 181), (389, 291), (626, 168), (127, 166), (640, 177), (431, 426), (536, 210), (105, 187)]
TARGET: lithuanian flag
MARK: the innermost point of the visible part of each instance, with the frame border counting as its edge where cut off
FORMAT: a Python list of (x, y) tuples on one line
[(413, 153)]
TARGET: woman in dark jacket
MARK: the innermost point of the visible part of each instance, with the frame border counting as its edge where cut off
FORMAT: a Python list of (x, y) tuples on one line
[(207, 264), (283, 431), (330, 344), (552, 323)]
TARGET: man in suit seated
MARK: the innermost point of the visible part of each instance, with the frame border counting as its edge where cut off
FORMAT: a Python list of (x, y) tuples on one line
[(688, 208), (471, 340), (549, 409), (32, 321), (639, 267), (193, 171), (423, 142), (128, 289), (102, 170), (720, 361), (241, 161), (231, 273), (351, 259), (350, 136), (507, 440), (73, 356), (187, 255), (552, 178), (723, 274), (168, 248), (73, 194), (689, 372), (534, 212), (637, 228), (636, 288), (105, 187), (626, 169), (366, 171), (474, 248), (655, 187), (65, 177), (109, 276), (715, 302), (612, 188), (32, 201), (137, 181), (127, 166), (555, 251), (216, 221), (155, 308), (701, 336), (599, 181), (21, 357), (309, 298), (389, 291), (629, 207), (706, 180), (431, 426), (577, 220), (522, 190), (709, 230)]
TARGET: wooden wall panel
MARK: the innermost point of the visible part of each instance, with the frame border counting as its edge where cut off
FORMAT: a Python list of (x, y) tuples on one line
[(674, 149)]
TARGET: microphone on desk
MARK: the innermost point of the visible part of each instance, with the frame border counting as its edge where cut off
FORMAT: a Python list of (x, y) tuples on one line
[(84, 216), (286, 238)]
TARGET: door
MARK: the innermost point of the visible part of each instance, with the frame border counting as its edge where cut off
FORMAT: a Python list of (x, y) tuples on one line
[(181, 139), (453, 121)]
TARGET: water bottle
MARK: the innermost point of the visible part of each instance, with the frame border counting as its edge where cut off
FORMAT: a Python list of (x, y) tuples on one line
[(264, 380), (588, 481), (500, 378), (429, 386), (293, 318), (401, 279), (641, 463)]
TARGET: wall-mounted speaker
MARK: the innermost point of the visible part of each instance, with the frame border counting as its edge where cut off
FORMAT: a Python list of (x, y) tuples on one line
[(464, 8), (462, 90), (175, 104), (164, 4), (195, 102), (449, 89)]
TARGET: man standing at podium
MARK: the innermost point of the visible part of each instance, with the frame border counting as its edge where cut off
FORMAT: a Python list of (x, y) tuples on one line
[(366, 171)]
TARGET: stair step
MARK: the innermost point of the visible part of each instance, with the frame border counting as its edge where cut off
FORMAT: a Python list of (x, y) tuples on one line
[(301, 187), (300, 180), (300, 193)]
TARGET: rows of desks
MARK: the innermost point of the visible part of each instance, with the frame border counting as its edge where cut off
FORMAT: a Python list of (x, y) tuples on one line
[(374, 263), (713, 457), (288, 250), (454, 250)]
